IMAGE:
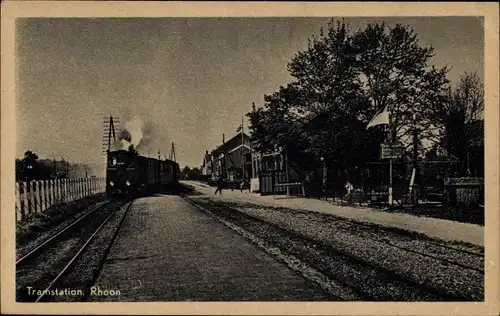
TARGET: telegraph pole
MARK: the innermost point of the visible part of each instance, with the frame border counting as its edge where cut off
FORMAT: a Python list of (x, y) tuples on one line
[(108, 133)]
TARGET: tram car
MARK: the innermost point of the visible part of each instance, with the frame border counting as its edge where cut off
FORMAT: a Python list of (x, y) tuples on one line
[(128, 173)]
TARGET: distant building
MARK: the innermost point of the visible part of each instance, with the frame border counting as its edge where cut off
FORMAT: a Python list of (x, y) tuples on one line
[(206, 166), (231, 160)]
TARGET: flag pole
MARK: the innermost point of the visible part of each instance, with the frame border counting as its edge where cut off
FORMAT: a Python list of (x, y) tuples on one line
[(391, 140)]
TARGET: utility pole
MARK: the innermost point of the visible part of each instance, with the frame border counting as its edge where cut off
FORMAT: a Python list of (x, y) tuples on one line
[(172, 153), (159, 157), (224, 157)]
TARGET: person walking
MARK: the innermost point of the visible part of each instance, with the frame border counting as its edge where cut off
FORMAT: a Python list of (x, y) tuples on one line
[(219, 186), (242, 185)]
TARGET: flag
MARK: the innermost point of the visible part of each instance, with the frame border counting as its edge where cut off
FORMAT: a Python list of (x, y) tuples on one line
[(382, 117), (239, 129)]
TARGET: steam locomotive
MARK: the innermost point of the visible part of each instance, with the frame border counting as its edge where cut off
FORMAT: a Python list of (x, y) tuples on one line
[(129, 174)]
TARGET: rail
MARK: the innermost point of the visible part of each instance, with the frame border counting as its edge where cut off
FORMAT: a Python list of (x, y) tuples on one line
[(37, 196)]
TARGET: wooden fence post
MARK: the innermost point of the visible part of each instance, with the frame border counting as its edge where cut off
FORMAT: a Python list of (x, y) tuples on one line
[(66, 190), (58, 190), (80, 186), (27, 192), (73, 189), (45, 199), (42, 196), (77, 189), (38, 185), (51, 192), (63, 190), (32, 200), (34, 194), (24, 200)]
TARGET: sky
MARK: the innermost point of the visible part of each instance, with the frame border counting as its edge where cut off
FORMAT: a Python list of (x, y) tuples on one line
[(189, 80)]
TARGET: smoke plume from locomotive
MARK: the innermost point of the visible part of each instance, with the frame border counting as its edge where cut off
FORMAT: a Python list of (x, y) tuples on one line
[(131, 134)]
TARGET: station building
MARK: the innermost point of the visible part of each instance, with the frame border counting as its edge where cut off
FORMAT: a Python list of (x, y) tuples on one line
[(231, 160)]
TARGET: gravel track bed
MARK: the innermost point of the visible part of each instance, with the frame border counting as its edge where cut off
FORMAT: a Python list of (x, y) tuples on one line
[(466, 256), (38, 271), (451, 282), (385, 230), (449, 255), (368, 281)]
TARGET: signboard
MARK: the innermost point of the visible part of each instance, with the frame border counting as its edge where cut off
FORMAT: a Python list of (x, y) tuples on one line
[(390, 151)]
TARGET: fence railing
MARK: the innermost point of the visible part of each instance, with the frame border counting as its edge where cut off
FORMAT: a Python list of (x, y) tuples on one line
[(37, 196)]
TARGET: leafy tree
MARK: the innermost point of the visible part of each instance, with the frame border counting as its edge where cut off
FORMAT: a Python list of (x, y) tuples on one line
[(394, 73), (340, 82), (30, 158), (27, 168), (325, 74)]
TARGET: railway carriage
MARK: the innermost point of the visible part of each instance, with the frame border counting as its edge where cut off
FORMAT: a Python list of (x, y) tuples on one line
[(128, 173)]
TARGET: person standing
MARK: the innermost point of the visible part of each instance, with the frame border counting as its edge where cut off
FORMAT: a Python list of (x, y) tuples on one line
[(219, 186)]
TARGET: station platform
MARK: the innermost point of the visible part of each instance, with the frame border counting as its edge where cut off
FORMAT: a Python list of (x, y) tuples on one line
[(168, 250)]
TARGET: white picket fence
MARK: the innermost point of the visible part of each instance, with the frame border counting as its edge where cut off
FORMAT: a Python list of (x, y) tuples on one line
[(37, 196)]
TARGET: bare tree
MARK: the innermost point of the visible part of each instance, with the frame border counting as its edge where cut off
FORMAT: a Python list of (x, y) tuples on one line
[(464, 107)]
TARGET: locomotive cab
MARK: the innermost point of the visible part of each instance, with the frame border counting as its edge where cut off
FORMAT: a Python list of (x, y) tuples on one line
[(121, 173)]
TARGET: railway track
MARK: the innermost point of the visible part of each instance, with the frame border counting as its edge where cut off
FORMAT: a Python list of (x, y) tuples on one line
[(367, 278), (45, 273), (466, 256), (57, 234)]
